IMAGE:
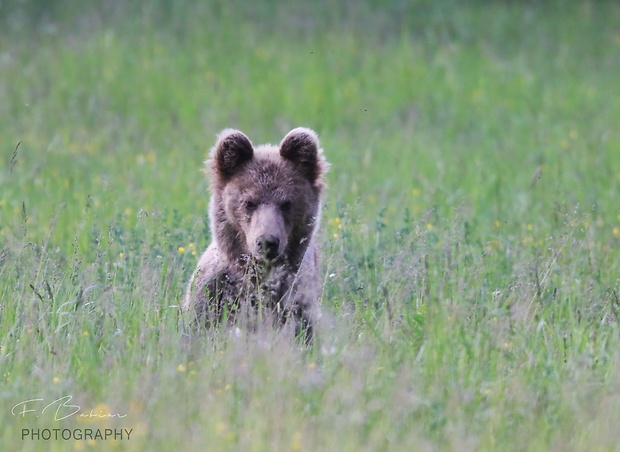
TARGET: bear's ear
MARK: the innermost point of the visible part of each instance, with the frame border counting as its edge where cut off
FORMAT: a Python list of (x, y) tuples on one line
[(230, 153), (301, 146)]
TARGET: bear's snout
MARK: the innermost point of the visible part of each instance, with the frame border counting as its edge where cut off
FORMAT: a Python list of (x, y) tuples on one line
[(268, 246), (266, 233)]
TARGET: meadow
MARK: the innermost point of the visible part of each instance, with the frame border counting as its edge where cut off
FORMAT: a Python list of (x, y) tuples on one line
[(470, 231)]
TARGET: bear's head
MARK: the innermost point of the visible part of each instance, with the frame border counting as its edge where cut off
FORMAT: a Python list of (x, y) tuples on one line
[(266, 200)]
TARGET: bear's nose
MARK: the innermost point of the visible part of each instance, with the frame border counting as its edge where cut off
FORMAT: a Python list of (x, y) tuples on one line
[(268, 246)]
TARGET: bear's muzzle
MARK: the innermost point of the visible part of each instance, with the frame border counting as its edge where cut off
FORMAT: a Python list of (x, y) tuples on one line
[(268, 246)]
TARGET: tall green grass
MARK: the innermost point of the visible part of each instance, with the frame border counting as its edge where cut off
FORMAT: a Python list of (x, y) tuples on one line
[(470, 234)]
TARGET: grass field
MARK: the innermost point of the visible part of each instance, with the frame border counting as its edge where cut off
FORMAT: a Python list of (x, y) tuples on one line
[(470, 234)]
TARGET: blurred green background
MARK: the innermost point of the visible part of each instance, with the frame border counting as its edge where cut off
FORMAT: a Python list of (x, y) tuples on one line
[(506, 110)]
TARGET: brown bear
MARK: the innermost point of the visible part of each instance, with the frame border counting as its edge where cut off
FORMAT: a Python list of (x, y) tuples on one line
[(263, 262)]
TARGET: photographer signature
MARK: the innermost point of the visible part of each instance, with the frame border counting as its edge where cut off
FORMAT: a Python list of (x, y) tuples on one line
[(60, 407)]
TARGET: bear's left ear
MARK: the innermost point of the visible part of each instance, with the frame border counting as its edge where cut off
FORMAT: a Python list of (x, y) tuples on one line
[(301, 146), (230, 153)]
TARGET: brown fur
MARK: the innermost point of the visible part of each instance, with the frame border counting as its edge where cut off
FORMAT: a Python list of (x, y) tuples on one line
[(265, 207)]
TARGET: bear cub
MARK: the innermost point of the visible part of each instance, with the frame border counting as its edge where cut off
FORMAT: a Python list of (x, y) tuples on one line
[(263, 262)]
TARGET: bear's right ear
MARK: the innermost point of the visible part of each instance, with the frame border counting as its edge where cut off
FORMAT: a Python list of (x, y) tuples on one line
[(301, 146), (230, 153)]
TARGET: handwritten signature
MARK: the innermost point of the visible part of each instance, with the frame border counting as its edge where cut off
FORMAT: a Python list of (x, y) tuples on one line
[(63, 409)]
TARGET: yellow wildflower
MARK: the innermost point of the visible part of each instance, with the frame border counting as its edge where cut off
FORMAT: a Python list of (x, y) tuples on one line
[(296, 442)]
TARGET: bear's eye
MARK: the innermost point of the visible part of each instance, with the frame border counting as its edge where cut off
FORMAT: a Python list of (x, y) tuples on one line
[(250, 206), (286, 206)]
